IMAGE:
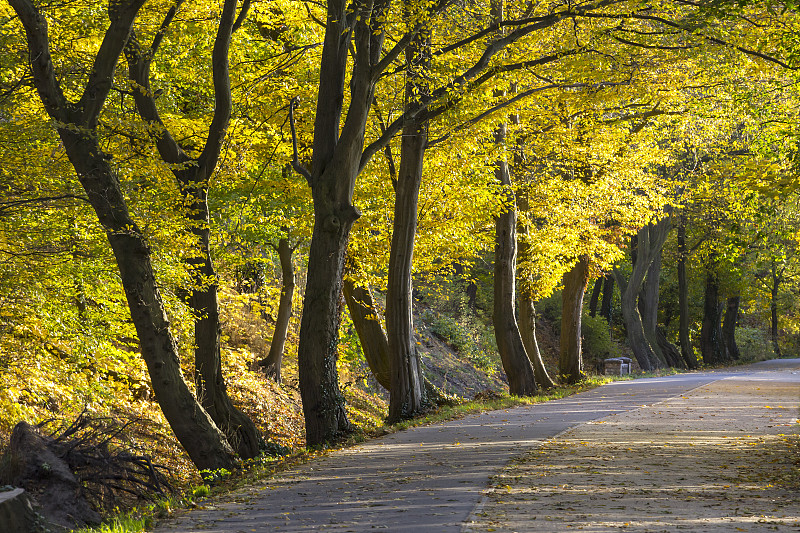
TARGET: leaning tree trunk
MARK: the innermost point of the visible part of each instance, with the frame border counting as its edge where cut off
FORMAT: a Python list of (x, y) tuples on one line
[(193, 176), (369, 328), (527, 330), (729, 328), (710, 333), (77, 127), (648, 303), (517, 365), (570, 362), (687, 352), (407, 392), (670, 351), (192, 425), (648, 242), (273, 362)]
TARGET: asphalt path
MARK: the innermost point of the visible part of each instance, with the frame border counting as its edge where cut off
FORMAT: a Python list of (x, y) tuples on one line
[(429, 479)]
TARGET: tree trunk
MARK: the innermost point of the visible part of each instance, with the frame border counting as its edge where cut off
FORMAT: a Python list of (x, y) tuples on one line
[(729, 328), (336, 161), (517, 365), (648, 299), (193, 176), (527, 330), (648, 303), (193, 427), (570, 362), (272, 363), (323, 403), (368, 323), (687, 352), (527, 312), (369, 327), (631, 288), (196, 431), (596, 291), (407, 393), (608, 296), (670, 351), (773, 309), (212, 391), (710, 346)]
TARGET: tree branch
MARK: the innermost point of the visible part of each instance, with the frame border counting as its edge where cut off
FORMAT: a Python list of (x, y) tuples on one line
[(222, 92), (44, 77), (296, 165), (122, 15)]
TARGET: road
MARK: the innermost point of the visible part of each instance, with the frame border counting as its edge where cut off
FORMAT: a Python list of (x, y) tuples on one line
[(432, 478)]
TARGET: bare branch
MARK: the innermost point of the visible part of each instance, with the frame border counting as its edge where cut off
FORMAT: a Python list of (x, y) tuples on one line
[(296, 165)]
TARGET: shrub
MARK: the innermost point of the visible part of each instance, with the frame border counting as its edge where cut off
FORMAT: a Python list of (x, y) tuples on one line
[(754, 345), (597, 344)]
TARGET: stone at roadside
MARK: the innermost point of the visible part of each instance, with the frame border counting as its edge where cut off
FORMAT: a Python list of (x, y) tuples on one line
[(17, 513), (31, 464)]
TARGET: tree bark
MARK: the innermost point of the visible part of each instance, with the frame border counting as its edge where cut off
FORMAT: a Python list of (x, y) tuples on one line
[(608, 296), (369, 327), (729, 328), (687, 352), (194, 428), (527, 321), (407, 392), (335, 165), (323, 403), (710, 341), (570, 362), (648, 301), (210, 384), (193, 176), (648, 307), (527, 311), (517, 365), (630, 289), (597, 290), (670, 351), (773, 308), (192, 425), (273, 362)]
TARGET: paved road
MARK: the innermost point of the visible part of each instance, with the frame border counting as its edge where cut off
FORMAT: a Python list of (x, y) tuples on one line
[(430, 478)]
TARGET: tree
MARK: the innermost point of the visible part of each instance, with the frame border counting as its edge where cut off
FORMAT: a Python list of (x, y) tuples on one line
[(687, 352), (521, 378), (650, 240), (193, 175), (407, 393), (76, 123), (570, 362)]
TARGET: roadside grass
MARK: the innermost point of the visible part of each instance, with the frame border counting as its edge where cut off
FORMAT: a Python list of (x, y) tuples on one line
[(265, 467)]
